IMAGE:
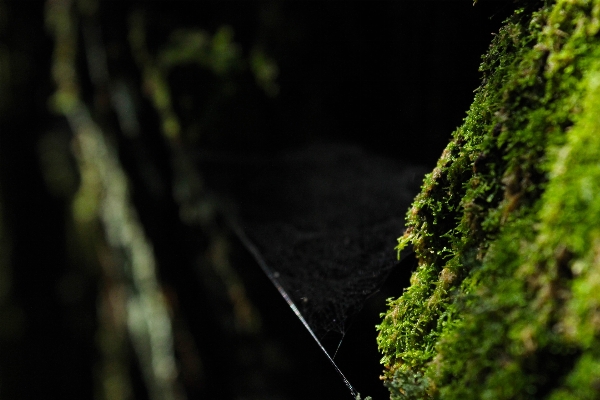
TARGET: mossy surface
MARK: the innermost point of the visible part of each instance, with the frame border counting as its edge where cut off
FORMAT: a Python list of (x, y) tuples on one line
[(505, 303)]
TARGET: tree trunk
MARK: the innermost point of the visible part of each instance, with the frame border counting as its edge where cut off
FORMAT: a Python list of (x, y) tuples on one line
[(504, 303)]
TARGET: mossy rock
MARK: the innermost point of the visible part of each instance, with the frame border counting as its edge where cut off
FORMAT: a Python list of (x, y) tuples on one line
[(505, 302)]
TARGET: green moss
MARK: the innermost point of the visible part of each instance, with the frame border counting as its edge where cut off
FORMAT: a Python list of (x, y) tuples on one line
[(505, 303)]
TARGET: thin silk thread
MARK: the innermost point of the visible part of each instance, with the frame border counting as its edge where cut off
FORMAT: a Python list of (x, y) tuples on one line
[(252, 248)]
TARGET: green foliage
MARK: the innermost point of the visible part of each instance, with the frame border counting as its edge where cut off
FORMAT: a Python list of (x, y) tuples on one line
[(504, 303), (193, 46), (407, 385), (265, 71)]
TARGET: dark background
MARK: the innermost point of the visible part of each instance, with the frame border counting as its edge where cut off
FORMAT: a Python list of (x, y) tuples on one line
[(394, 77)]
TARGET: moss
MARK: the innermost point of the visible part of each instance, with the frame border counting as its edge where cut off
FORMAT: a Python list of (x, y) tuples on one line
[(504, 303)]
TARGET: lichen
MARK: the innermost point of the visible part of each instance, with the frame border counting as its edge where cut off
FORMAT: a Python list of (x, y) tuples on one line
[(504, 302)]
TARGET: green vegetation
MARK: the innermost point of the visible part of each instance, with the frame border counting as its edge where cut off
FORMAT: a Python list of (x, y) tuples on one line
[(505, 302)]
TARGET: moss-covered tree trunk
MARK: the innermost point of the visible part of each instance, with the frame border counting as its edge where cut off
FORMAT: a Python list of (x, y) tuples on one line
[(505, 302)]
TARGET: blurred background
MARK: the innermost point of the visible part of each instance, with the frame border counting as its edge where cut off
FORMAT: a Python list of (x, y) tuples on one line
[(118, 277)]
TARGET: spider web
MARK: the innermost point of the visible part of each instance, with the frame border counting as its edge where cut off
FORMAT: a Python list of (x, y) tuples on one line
[(322, 222)]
